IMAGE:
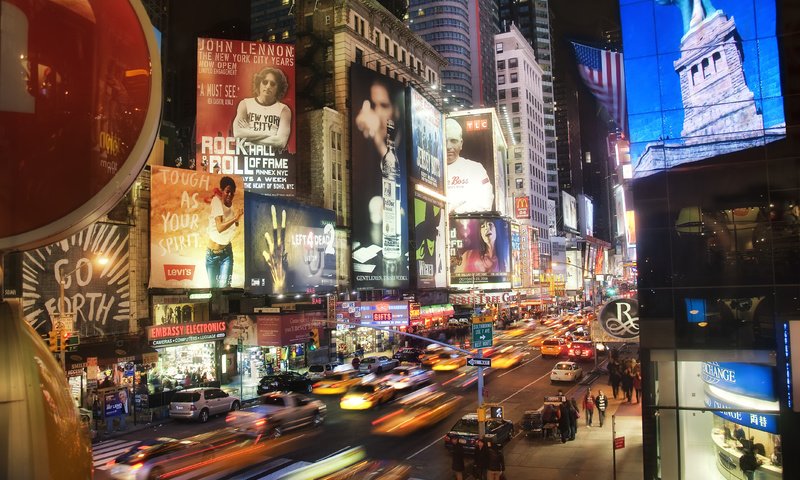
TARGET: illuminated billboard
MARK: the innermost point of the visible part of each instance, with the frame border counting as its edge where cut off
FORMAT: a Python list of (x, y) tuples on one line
[(475, 163), (480, 253), (290, 247), (427, 158), (569, 209), (379, 195), (586, 215), (384, 313), (429, 237), (703, 80), (246, 113), (516, 256), (98, 295), (196, 229)]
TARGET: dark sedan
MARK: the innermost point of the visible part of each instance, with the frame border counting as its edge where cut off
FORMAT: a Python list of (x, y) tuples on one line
[(283, 382), (465, 432), (408, 354)]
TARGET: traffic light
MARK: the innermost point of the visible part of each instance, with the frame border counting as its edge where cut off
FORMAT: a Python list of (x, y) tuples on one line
[(53, 341), (313, 339)]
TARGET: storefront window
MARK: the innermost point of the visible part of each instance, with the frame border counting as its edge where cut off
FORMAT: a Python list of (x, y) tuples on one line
[(713, 408), (183, 366)]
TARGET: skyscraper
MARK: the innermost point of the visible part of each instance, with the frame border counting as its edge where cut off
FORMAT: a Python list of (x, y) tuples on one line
[(463, 32)]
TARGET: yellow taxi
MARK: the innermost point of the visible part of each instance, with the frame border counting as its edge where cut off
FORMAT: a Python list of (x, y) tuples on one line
[(366, 396), (554, 347), (425, 412), (337, 383), (507, 358), (449, 361)]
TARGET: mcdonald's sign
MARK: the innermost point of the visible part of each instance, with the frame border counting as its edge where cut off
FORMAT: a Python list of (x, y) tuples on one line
[(522, 207)]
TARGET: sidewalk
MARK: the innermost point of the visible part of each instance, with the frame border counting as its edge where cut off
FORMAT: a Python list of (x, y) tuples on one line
[(590, 455)]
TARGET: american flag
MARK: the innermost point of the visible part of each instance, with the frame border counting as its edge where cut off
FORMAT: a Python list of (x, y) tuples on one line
[(604, 74)]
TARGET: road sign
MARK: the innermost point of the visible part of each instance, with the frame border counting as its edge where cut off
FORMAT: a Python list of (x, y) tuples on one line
[(479, 362), (619, 442), (73, 340), (481, 335)]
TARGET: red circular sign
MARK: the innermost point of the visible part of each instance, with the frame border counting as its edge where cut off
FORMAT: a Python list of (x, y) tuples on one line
[(79, 109)]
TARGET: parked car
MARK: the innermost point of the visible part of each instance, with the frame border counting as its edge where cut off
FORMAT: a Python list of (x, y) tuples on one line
[(377, 364), (566, 372), (285, 382), (200, 403), (581, 350), (338, 383), (277, 413), (408, 354), (553, 347), (367, 395), (317, 371), (404, 377), (465, 432)]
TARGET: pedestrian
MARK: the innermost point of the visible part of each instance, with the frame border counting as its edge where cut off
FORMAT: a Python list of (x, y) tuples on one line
[(564, 422), (614, 376), (637, 384), (749, 463), (601, 402), (627, 384), (574, 415), (458, 461), (356, 362), (588, 407), (495, 461), (480, 460)]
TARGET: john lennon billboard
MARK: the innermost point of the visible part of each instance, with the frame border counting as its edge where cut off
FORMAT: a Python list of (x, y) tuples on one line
[(703, 79)]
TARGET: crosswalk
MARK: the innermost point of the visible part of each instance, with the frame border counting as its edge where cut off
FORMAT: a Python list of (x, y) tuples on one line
[(105, 451)]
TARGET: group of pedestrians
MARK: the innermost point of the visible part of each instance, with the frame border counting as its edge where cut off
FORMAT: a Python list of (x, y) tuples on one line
[(590, 403), (625, 376), (488, 462)]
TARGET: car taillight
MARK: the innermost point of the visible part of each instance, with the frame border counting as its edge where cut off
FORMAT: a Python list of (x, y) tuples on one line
[(229, 418), (317, 385), (193, 407), (261, 422), (137, 466), (447, 438)]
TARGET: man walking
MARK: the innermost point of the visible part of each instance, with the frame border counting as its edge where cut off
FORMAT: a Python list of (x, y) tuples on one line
[(601, 402)]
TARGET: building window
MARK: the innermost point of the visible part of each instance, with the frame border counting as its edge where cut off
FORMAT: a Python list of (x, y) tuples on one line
[(513, 77), (501, 94), (498, 48), (515, 107), (518, 183), (501, 79), (501, 64), (512, 63), (359, 56), (518, 168), (514, 92)]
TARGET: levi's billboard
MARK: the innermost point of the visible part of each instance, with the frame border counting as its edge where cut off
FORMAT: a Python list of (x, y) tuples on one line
[(196, 229), (290, 247), (245, 113)]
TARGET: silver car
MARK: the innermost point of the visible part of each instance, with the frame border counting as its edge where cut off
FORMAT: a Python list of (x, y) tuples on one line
[(201, 403)]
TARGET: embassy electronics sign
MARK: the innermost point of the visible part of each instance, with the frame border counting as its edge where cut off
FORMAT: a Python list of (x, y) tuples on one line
[(162, 335)]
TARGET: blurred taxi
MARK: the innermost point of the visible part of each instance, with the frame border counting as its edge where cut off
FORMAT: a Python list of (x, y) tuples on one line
[(169, 456), (366, 396), (507, 358), (449, 361), (423, 412), (406, 377), (337, 383), (373, 470), (516, 332)]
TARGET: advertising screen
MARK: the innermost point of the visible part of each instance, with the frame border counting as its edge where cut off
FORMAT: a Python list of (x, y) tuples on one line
[(429, 235), (703, 80), (196, 229), (245, 113), (573, 272), (427, 158), (290, 247), (569, 207), (586, 214), (471, 176), (516, 256), (480, 253), (525, 262), (98, 295), (379, 198), (384, 313)]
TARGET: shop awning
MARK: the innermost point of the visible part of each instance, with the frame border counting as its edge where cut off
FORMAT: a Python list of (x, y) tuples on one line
[(109, 353)]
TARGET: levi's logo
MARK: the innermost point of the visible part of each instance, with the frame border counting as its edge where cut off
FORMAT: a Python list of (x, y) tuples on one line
[(179, 272)]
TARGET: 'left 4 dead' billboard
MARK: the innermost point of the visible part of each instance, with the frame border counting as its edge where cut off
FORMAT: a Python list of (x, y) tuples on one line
[(245, 113), (196, 229)]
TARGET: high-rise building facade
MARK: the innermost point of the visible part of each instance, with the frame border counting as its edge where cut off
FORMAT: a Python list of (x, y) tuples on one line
[(533, 21), (463, 32), (521, 111)]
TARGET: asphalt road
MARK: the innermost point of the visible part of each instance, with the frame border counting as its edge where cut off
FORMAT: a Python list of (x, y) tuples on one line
[(517, 389)]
